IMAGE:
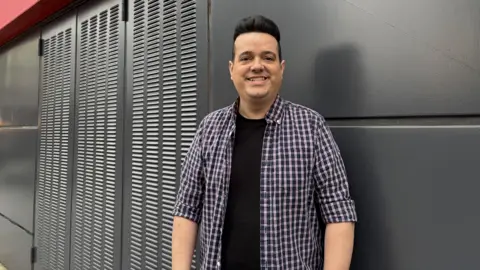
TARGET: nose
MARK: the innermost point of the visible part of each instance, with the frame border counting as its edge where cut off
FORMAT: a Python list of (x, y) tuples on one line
[(257, 65)]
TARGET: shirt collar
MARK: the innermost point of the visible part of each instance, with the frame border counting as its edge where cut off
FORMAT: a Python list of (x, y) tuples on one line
[(273, 115)]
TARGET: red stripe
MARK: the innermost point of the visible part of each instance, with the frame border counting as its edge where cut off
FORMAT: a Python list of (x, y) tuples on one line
[(10, 9), (35, 14)]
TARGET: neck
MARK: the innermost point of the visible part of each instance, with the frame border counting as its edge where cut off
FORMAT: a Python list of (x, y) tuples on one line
[(252, 110)]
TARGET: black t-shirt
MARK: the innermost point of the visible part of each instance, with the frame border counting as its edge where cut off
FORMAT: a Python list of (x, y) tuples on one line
[(241, 231)]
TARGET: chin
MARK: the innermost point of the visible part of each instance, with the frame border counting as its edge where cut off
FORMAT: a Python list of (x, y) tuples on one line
[(257, 94)]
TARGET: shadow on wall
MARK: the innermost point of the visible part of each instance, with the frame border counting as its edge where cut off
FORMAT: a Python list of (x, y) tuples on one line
[(340, 84), (339, 81)]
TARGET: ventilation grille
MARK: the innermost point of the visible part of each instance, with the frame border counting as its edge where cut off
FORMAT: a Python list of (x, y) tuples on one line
[(169, 134), (95, 227), (189, 74), (179, 87), (53, 171), (144, 226), (163, 122), (188, 80)]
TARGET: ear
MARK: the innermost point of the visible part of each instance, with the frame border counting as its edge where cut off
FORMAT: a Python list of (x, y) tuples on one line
[(230, 67), (282, 67)]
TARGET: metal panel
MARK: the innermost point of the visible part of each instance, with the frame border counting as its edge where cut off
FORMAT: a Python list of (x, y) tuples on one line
[(17, 175), (15, 246), (96, 227), (54, 182), (365, 58), (416, 189), (161, 122), (202, 59), (19, 73), (142, 208), (169, 147)]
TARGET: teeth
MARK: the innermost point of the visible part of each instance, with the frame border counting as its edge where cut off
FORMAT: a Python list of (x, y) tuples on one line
[(257, 79)]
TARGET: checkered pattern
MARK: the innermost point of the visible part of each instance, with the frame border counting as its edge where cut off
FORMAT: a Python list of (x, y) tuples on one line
[(301, 172)]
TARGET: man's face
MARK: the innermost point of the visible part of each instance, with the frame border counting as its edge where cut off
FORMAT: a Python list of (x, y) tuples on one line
[(256, 70)]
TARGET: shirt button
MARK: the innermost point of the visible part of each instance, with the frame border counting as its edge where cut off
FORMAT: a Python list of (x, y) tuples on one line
[(218, 263)]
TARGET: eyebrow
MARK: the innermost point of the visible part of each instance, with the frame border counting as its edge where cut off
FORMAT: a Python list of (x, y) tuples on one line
[(263, 53)]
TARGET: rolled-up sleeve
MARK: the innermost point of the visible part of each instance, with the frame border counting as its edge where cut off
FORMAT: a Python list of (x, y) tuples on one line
[(331, 181), (189, 199)]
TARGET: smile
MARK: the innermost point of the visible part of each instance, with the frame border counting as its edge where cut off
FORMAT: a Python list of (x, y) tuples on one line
[(257, 79)]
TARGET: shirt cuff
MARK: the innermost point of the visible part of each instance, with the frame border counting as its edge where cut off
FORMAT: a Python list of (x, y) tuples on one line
[(340, 211), (188, 212)]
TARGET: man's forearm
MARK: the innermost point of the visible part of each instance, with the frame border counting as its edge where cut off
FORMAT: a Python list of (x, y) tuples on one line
[(184, 237), (339, 238)]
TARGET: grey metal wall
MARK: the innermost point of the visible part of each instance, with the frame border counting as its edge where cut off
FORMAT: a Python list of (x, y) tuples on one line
[(378, 71), (96, 224), (19, 69), (120, 102), (54, 174), (163, 95), (15, 246), (79, 187)]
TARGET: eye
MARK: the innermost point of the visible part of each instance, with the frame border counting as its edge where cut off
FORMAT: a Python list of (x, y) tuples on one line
[(244, 58), (269, 58)]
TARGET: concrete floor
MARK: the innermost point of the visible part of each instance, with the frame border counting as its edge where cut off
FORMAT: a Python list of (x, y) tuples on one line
[(15, 245)]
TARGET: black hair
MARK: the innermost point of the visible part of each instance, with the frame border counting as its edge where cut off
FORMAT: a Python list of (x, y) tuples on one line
[(257, 23)]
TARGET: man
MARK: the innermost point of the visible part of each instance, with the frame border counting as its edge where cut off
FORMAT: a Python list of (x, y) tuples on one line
[(262, 173)]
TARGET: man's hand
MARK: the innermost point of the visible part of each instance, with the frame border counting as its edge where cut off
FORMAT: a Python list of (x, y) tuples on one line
[(338, 246), (184, 237)]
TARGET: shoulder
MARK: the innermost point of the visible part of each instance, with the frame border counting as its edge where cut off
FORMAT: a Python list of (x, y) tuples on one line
[(214, 119), (214, 125), (303, 115), (309, 122)]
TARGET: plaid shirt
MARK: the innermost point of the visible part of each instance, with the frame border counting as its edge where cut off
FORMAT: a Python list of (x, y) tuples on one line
[(301, 172)]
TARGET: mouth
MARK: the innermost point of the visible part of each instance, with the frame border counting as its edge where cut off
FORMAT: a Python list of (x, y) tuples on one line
[(257, 79)]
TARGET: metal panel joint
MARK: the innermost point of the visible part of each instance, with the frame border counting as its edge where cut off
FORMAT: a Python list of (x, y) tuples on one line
[(40, 47), (33, 255), (124, 10)]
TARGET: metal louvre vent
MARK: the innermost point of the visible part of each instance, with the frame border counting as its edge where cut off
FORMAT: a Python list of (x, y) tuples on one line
[(188, 88), (179, 87), (144, 227), (53, 169), (163, 98), (189, 74), (169, 134), (94, 202)]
